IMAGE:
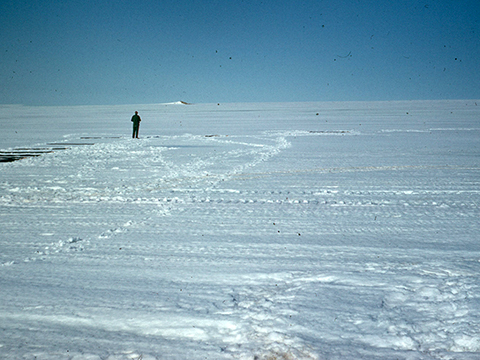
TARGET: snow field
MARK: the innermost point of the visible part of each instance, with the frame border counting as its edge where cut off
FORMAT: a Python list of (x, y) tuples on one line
[(244, 231)]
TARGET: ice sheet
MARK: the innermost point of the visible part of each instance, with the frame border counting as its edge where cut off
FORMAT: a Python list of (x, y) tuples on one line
[(242, 231)]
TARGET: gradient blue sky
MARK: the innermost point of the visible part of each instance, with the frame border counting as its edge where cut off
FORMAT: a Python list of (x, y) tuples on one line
[(65, 52)]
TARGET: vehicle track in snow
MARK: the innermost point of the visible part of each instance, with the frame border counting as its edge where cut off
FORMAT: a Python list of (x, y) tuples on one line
[(335, 236)]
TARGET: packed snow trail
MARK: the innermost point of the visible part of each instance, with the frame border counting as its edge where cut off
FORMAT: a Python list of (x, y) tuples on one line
[(300, 236)]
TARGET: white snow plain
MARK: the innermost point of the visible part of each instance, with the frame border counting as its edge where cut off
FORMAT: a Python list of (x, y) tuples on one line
[(241, 231)]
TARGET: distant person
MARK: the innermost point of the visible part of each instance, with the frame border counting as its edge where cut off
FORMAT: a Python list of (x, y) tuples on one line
[(136, 124)]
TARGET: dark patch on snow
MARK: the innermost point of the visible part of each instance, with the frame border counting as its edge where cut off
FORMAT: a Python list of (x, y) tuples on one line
[(10, 157), (100, 137), (23, 153), (70, 144)]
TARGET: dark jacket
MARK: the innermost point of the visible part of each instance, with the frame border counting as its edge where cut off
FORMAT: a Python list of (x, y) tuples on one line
[(136, 120)]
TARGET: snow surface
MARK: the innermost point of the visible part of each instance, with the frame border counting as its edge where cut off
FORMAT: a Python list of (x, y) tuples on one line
[(242, 231)]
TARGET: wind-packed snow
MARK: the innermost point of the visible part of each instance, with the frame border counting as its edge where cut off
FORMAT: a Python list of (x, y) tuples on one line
[(241, 231)]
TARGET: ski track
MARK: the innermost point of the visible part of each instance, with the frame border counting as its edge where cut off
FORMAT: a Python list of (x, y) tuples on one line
[(424, 307)]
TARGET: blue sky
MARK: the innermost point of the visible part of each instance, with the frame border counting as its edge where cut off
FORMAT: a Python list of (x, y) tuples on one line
[(65, 52)]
